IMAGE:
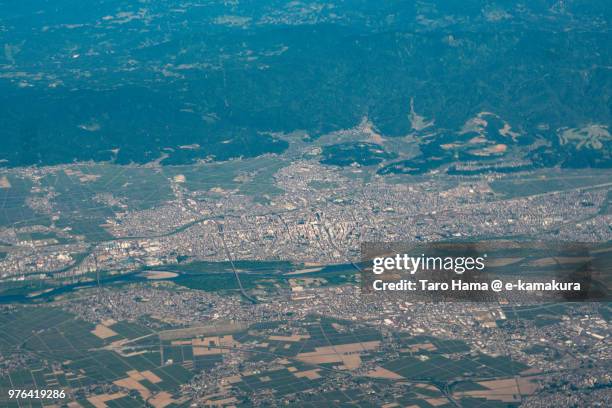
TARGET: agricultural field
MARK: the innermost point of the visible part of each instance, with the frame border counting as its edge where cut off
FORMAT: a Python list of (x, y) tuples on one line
[(125, 363)]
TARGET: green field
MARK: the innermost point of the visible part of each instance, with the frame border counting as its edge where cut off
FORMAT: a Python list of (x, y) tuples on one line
[(65, 354), (54, 338), (547, 181)]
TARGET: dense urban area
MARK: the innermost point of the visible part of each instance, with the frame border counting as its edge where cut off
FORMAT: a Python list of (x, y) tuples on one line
[(158, 291)]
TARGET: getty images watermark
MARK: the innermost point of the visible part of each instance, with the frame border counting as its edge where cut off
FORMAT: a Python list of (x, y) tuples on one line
[(500, 270)]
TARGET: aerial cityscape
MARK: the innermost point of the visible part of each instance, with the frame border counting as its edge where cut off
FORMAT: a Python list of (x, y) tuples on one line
[(188, 190)]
